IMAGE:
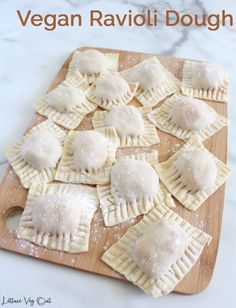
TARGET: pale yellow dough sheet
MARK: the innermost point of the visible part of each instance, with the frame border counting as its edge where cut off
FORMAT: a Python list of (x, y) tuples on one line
[(72, 243), (114, 214), (153, 96), (150, 136), (109, 104), (25, 171), (66, 171), (119, 257), (167, 173), (91, 78), (69, 120), (219, 95), (160, 118)]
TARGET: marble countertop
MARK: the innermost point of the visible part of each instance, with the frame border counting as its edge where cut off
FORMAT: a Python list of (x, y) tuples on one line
[(30, 58)]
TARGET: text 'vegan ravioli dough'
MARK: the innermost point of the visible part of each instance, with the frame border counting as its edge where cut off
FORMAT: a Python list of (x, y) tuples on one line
[(191, 114), (159, 247), (133, 180), (197, 170), (65, 99), (184, 117), (90, 150), (149, 76), (127, 121), (41, 150), (56, 214)]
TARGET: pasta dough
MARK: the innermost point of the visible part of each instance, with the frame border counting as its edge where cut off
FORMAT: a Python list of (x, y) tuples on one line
[(133, 180), (197, 170), (56, 214), (184, 117), (134, 244), (92, 61), (111, 87), (90, 150), (41, 150), (191, 114), (205, 80), (159, 247), (148, 75), (65, 99), (207, 75), (127, 121)]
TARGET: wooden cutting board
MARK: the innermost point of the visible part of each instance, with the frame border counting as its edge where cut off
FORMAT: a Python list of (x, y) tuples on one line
[(208, 217)]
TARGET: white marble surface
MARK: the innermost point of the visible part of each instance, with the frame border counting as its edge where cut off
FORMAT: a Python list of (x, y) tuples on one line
[(29, 60)]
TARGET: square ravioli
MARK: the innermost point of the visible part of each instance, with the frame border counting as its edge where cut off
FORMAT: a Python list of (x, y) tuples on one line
[(132, 125), (112, 90), (67, 104), (91, 63), (205, 80), (134, 189), (36, 155), (88, 156), (155, 81), (125, 255), (184, 116), (58, 216), (192, 174)]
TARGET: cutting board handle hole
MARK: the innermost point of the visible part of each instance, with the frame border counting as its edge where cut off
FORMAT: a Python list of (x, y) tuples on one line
[(12, 219)]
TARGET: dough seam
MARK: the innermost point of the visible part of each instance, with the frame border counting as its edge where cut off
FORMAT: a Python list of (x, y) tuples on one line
[(109, 104), (153, 96), (118, 256), (169, 176), (160, 118), (69, 120), (25, 171), (149, 138), (91, 78), (66, 171), (114, 214), (72, 243), (219, 95)]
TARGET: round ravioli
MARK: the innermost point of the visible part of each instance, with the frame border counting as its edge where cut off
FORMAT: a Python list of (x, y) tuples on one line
[(41, 150), (127, 120), (92, 62), (133, 180), (111, 88), (149, 76), (197, 170), (56, 214), (207, 76), (161, 245), (90, 150), (65, 99), (191, 114)]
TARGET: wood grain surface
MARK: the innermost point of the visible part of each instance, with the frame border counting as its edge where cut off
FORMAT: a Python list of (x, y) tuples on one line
[(208, 217)]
